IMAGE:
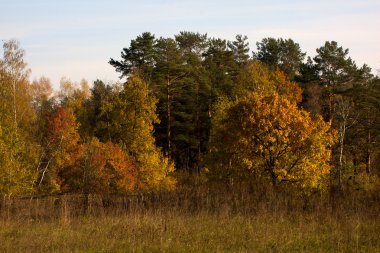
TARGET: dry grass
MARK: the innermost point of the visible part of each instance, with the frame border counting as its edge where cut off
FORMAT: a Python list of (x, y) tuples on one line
[(191, 220)]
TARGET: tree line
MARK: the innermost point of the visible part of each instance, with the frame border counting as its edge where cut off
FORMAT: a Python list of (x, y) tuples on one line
[(198, 105)]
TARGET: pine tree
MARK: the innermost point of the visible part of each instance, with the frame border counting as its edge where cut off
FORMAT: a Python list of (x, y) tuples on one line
[(140, 54), (169, 75), (222, 69), (280, 53), (240, 48)]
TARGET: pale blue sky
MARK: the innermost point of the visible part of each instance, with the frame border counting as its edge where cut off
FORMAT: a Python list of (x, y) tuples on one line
[(75, 39)]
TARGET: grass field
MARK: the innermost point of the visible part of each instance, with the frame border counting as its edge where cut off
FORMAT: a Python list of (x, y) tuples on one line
[(196, 220)]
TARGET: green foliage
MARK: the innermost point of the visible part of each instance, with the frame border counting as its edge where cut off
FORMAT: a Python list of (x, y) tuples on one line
[(181, 84), (240, 49), (140, 55), (363, 134), (186, 74), (168, 84), (222, 69), (279, 53), (97, 121), (333, 64)]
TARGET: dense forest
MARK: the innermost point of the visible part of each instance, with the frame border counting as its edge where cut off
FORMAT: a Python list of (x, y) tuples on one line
[(189, 107)]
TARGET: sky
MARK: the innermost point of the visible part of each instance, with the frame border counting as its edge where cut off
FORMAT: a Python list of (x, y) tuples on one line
[(76, 38)]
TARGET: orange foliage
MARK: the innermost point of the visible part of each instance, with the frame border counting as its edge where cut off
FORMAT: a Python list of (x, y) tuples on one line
[(114, 170), (91, 168), (63, 146)]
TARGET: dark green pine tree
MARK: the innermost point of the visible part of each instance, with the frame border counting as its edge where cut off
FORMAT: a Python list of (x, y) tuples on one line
[(140, 54), (222, 69), (334, 66), (284, 54), (240, 48), (365, 135), (168, 76), (334, 71), (192, 44), (99, 119), (192, 117)]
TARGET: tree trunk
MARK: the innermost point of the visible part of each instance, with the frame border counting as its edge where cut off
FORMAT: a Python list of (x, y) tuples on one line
[(199, 134), (341, 142), (15, 107), (168, 115), (368, 153), (273, 175), (331, 106)]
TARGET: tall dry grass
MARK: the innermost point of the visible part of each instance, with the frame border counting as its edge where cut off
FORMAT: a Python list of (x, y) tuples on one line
[(197, 218)]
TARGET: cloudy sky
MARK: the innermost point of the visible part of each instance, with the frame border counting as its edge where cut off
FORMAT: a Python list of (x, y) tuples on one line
[(76, 38)]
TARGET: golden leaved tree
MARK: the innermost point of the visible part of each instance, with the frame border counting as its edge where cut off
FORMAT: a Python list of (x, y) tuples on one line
[(18, 151), (133, 112), (263, 133), (256, 77)]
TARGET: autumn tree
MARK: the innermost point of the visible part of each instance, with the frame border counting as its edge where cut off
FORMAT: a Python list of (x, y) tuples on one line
[(103, 168), (71, 165), (132, 113), (43, 102), (18, 150), (267, 135), (262, 132), (257, 77), (186, 73), (77, 102), (61, 151)]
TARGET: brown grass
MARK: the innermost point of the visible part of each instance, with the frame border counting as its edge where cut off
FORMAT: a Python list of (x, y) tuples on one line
[(192, 219)]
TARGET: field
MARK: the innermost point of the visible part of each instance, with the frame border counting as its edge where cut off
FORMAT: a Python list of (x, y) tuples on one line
[(198, 219)]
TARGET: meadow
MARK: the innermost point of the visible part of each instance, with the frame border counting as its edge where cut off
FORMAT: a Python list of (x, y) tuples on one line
[(193, 219)]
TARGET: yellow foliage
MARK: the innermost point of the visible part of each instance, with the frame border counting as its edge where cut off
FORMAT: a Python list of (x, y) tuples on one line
[(269, 134), (133, 115), (259, 78)]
